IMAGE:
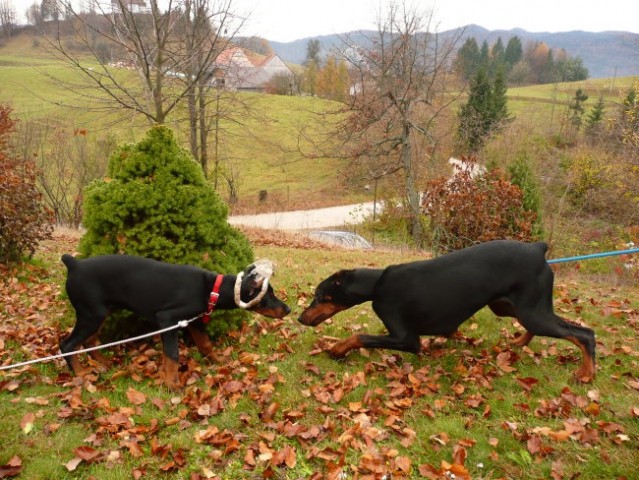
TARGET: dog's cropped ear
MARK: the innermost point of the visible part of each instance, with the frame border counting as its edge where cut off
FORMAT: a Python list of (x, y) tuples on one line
[(341, 277)]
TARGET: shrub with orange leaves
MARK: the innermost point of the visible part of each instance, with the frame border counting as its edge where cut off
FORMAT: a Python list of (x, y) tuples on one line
[(467, 209), (24, 221)]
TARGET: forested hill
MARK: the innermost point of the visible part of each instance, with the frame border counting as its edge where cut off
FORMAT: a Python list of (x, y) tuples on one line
[(604, 54)]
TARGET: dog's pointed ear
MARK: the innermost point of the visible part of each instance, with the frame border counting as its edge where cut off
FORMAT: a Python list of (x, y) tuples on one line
[(340, 277)]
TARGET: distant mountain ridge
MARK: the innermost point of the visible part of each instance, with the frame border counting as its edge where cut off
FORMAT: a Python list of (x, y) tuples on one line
[(604, 54)]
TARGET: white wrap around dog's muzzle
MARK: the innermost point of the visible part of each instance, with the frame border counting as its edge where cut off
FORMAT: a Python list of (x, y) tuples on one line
[(263, 271)]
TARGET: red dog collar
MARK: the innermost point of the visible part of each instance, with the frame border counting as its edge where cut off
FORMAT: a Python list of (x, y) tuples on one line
[(215, 294)]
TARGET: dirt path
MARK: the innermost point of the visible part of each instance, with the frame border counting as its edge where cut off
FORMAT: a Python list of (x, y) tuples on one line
[(307, 219)]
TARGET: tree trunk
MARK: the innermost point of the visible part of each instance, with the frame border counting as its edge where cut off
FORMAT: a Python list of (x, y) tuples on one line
[(204, 131), (412, 195), (193, 123), (216, 132)]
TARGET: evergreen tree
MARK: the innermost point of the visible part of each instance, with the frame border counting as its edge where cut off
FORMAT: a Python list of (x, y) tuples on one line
[(468, 59), (522, 175), (312, 64), (497, 56), (472, 126), (499, 101), (484, 55), (576, 108), (572, 70), (484, 113), (629, 119), (156, 203), (548, 73), (595, 117), (313, 49), (513, 53)]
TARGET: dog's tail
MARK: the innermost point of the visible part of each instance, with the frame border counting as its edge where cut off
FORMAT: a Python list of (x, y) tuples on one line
[(543, 246), (70, 261)]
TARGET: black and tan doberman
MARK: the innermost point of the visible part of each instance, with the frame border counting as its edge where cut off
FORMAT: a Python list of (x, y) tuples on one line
[(434, 297), (161, 293)]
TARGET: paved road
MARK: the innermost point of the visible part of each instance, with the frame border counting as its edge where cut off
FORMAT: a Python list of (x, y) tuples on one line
[(308, 219)]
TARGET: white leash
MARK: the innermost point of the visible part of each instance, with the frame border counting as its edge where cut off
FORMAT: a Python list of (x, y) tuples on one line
[(180, 324)]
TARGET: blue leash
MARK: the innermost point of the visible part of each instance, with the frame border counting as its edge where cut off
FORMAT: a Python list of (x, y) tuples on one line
[(594, 255)]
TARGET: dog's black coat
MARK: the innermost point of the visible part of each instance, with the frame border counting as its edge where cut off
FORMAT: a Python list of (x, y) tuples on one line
[(162, 293), (433, 297)]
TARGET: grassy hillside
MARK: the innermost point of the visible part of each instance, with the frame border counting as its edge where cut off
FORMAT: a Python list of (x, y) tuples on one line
[(262, 152), (544, 106), (263, 147)]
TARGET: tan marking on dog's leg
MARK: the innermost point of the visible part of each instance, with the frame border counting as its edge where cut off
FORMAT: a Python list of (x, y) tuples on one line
[(170, 369), (341, 348), (523, 339), (76, 367), (586, 372), (202, 341), (97, 354)]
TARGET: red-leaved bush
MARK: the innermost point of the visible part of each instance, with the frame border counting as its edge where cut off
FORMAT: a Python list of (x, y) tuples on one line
[(467, 209), (23, 219)]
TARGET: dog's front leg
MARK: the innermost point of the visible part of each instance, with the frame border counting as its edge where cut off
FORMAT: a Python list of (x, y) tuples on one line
[(341, 348), (201, 338), (410, 344), (170, 361)]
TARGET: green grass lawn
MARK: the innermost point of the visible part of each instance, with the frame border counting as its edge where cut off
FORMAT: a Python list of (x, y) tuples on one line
[(273, 404)]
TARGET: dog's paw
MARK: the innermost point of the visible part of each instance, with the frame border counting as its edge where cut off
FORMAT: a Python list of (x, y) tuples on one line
[(523, 339), (584, 375), (337, 352)]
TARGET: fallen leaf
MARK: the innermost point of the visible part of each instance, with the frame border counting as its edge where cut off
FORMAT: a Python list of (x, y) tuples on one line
[(27, 423), (71, 465), (12, 468), (135, 397)]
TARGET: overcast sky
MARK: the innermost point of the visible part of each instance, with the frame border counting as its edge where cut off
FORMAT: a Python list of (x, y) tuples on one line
[(287, 20)]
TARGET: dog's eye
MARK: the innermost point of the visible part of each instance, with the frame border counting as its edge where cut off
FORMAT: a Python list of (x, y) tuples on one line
[(327, 298)]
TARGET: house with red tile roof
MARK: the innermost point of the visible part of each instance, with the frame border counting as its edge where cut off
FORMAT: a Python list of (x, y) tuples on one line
[(240, 69)]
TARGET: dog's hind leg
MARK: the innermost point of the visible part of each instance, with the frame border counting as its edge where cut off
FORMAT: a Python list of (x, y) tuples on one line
[(504, 308), (97, 354), (86, 328), (550, 324), (170, 343)]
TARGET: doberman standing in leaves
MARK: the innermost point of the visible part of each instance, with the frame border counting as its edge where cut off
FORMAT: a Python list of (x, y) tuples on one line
[(434, 297), (163, 294)]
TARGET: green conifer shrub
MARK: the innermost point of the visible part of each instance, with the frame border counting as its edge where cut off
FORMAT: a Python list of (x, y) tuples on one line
[(156, 203), (522, 175)]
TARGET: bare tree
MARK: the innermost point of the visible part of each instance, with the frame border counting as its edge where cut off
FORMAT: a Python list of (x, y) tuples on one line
[(399, 93), (67, 162), (7, 17), (34, 17), (148, 60)]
